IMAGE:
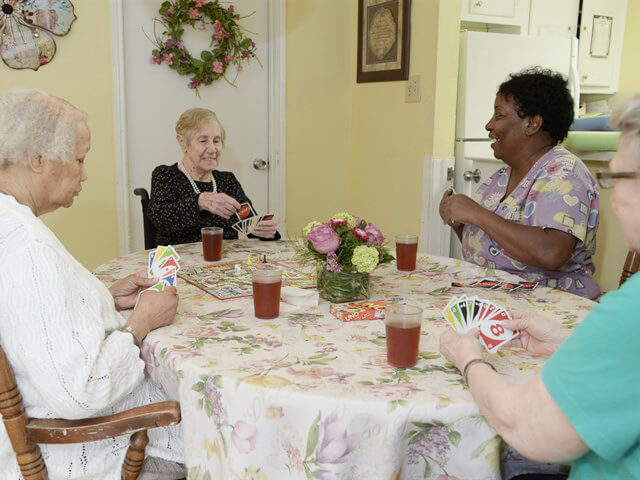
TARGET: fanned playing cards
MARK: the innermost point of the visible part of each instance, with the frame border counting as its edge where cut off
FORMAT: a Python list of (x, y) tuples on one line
[(465, 313), (163, 264), (248, 219)]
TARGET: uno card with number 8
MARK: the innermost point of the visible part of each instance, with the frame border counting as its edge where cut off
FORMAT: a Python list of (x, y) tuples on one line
[(493, 334)]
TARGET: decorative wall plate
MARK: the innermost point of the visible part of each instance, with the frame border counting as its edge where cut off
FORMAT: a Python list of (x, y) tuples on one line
[(26, 28)]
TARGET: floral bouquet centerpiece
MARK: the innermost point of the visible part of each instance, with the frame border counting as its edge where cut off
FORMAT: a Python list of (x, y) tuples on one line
[(345, 250)]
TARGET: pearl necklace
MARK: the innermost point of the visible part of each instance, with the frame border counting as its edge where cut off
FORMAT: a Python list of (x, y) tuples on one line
[(214, 185)]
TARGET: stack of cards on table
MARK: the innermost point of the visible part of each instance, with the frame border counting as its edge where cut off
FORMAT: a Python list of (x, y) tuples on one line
[(163, 264), (248, 219), (465, 313), (496, 285)]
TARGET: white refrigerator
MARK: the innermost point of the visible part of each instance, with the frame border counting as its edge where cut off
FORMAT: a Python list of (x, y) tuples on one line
[(486, 60)]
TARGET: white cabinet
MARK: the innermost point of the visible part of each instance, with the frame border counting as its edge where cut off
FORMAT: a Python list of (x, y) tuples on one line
[(601, 37), (554, 18), (498, 15)]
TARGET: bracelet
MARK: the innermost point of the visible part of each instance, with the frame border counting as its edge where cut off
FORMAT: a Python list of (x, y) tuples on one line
[(129, 329), (470, 363)]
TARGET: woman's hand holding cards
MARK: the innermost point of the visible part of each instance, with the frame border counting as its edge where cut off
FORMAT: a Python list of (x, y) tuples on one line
[(154, 310), (125, 291), (265, 228), (538, 334)]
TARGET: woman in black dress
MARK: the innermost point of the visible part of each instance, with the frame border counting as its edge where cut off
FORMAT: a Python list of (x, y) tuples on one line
[(192, 193)]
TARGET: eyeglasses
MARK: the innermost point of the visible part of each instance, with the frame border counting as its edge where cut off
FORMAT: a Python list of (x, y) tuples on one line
[(607, 179)]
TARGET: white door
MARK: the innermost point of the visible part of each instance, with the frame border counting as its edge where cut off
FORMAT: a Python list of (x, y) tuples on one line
[(156, 96)]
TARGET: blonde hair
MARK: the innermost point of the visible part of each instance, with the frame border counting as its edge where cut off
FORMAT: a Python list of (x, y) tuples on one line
[(32, 122), (627, 117), (193, 119)]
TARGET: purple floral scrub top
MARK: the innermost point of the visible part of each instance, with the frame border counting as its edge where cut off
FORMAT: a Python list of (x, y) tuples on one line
[(558, 192)]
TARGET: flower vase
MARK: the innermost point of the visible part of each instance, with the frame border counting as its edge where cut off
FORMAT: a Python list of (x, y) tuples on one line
[(341, 287)]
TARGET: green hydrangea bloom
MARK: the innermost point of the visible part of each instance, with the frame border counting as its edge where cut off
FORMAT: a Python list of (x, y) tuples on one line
[(308, 228), (351, 223), (365, 258)]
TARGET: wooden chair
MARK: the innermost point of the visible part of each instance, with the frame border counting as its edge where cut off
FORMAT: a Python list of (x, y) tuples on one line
[(631, 265), (25, 433), (149, 228)]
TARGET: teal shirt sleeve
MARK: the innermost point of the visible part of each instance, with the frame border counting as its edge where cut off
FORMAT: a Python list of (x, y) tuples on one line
[(595, 375)]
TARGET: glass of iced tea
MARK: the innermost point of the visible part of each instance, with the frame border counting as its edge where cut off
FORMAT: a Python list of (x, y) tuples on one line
[(212, 243), (402, 323), (266, 292), (406, 251)]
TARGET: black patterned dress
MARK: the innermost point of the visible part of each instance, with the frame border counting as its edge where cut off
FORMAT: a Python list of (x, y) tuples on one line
[(173, 207)]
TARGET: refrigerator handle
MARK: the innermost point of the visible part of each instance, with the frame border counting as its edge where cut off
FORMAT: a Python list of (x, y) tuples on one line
[(574, 77)]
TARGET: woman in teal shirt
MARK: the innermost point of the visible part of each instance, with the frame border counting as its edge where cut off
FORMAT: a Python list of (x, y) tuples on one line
[(585, 404)]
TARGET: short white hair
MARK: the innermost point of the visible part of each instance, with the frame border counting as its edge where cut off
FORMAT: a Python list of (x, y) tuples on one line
[(32, 122), (627, 117)]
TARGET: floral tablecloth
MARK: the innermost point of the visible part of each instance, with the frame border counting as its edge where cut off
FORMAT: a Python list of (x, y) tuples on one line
[(306, 396)]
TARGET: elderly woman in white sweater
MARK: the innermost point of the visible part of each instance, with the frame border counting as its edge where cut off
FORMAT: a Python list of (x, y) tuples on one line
[(74, 356)]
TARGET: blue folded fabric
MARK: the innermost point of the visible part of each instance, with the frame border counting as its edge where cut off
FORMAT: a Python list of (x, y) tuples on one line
[(599, 123)]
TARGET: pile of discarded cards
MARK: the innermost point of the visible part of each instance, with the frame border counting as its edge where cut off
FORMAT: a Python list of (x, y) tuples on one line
[(465, 313)]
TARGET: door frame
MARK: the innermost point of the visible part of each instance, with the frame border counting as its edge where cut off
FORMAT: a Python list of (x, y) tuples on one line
[(276, 123)]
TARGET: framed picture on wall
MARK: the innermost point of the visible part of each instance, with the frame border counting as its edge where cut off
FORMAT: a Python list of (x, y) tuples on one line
[(383, 40)]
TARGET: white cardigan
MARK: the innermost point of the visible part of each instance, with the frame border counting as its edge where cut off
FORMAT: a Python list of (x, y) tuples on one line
[(58, 328)]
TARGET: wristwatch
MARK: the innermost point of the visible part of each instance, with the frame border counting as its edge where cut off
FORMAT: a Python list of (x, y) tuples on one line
[(129, 329)]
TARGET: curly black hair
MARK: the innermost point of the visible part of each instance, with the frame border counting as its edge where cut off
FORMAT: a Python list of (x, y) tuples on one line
[(544, 92)]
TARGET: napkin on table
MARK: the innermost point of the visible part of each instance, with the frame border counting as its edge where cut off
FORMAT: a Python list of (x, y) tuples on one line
[(299, 297)]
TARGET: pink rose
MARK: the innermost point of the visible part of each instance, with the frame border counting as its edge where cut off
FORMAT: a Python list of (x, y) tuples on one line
[(200, 332), (217, 67), (324, 239), (173, 358), (379, 360), (393, 392), (194, 13), (244, 436), (374, 236)]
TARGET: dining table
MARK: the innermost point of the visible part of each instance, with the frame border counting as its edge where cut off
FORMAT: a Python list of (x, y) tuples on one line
[(308, 396)]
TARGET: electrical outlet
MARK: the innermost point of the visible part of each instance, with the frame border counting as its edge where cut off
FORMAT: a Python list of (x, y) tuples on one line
[(412, 89)]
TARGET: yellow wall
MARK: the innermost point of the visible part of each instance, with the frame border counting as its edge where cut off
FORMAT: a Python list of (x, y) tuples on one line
[(611, 251), (358, 146), (81, 73), (319, 116)]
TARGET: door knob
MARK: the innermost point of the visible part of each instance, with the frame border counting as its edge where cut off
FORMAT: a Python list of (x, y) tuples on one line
[(469, 175), (260, 164)]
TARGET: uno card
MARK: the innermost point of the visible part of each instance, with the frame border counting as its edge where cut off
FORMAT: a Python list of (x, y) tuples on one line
[(499, 314), (169, 280), (463, 306), (452, 313), (167, 252), (245, 211), (493, 335), (152, 255), (168, 267), (158, 287)]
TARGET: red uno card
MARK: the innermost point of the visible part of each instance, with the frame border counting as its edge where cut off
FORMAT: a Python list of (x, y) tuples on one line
[(493, 334), (245, 211)]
